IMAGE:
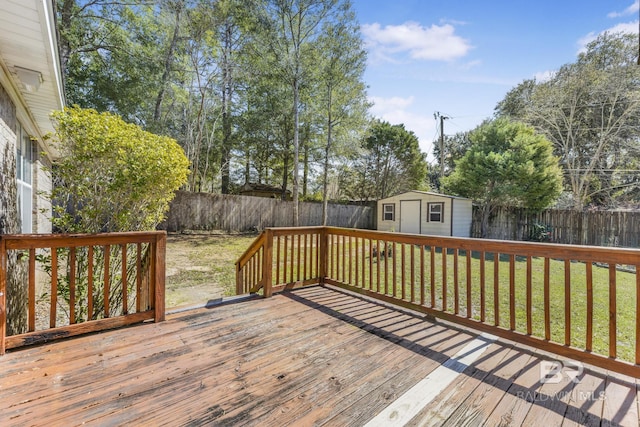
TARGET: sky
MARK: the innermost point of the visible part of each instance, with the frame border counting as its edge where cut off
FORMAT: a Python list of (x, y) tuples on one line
[(459, 58)]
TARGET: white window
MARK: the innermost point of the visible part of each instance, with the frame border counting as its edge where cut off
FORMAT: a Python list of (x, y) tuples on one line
[(435, 212), (389, 212), (24, 177)]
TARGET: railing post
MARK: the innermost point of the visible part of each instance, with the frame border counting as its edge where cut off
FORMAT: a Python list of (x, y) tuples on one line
[(267, 263), (160, 254), (324, 254), (3, 295), (239, 284)]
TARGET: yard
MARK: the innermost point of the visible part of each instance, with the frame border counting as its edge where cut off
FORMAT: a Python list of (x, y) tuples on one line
[(201, 267)]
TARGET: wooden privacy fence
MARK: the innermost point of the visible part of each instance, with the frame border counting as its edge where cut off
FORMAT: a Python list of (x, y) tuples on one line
[(205, 211), (80, 283), (596, 228), (576, 301)]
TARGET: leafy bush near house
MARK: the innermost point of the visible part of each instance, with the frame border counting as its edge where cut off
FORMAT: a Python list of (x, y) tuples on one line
[(112, 175)]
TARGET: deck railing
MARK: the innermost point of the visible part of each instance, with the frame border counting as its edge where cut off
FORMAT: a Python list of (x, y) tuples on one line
[(576, 301), (76, 284)]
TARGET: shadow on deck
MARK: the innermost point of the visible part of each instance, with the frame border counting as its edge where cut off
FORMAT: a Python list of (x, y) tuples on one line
[(312, 356)]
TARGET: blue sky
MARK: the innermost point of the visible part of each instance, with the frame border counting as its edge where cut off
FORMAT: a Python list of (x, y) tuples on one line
[(460, 57)]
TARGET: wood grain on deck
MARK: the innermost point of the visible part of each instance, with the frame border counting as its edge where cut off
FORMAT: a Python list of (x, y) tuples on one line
[(315, 356)]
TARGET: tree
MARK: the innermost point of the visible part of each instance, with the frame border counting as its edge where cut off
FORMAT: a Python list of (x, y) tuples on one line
[(392, 162), (589, 110), (507, 164), (341, 89), (112, 176), (293, 26)]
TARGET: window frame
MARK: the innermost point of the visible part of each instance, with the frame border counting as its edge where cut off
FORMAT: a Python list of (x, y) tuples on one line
[(392, 212), (431, 205), (25, 164)]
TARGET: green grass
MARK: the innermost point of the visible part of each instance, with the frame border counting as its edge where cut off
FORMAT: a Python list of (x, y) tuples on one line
[(202, 266)]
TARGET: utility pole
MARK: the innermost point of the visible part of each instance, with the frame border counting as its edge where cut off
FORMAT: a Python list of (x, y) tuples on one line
[(442, 118)]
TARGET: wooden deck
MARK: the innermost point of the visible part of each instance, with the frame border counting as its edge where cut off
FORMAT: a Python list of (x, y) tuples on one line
[(314, 356)]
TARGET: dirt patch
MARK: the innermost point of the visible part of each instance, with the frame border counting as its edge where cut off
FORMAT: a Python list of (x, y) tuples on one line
[(201, 267)]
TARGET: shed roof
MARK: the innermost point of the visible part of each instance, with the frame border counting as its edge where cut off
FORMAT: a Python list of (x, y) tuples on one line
[(430, 193)]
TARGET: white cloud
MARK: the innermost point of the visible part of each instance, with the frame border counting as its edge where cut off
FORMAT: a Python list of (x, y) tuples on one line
[(435, 43), (396, 110), (625, 27), (631, 10)]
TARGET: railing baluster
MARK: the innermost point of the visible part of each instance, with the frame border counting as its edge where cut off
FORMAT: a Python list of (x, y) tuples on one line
[(403, 268), (443, 252), (529, 296), (547, 309), (32, 291), (589, 278), (422, 281), (357, 261), (496, 289), (433, 276), (72, 286), (344, 258), (386, 267), (469, 301), (53, 313), (456, 291), (277, 282), (394, 269), (298, 263), (512, 292), (106, 290), (413, 274), (370, 264), (284, 259), (350, 260), (378, 266), (90, 280), (637, 349), (567, 302), (612, 311), (138, 273), (483, 303), (125, 293), (305, 258), (3, 296)]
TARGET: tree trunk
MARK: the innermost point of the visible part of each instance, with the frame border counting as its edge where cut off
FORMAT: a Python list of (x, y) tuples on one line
[(227, 94), (484, 223), (167, 64), (325, 174), (296, 149)]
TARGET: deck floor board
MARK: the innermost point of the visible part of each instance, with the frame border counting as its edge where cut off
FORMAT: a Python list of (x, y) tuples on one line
[(313, 356)]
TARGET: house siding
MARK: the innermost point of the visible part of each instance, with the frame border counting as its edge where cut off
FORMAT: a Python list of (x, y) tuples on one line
[(8, 187)]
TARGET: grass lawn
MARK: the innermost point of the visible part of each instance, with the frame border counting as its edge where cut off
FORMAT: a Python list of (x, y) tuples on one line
[(201, 267)]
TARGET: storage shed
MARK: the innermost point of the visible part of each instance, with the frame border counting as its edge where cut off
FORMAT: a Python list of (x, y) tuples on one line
[(423, 212)]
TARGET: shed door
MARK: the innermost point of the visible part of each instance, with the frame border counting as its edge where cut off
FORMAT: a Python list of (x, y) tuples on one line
[(410, 216)]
